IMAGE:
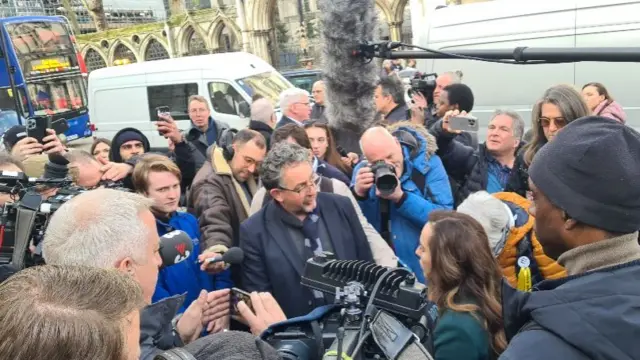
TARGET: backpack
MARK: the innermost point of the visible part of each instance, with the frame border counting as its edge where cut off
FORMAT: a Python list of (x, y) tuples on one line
[(326, 186)]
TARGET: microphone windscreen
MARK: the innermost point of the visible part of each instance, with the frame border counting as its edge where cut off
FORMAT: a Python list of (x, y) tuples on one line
[(349, 82), (235, 255), (175, 247)]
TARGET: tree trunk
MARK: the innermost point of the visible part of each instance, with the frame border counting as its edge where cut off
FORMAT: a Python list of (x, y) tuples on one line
[(176, 7), (96, 10)]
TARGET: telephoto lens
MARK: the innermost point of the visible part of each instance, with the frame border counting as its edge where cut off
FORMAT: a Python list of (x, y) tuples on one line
[(385, 177)]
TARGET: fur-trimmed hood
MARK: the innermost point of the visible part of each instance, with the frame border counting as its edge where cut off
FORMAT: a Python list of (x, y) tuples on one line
[(421, 134)]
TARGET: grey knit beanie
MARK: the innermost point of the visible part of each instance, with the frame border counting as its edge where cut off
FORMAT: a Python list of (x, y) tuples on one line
[(591, 170)]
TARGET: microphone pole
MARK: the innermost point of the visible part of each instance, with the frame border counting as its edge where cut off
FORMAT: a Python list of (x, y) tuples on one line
[(518, 55)]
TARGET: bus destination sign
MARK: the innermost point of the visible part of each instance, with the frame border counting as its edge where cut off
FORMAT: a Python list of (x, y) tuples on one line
[(51, 65)]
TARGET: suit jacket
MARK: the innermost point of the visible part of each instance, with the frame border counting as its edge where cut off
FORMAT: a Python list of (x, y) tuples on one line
[(284, 120), (273, 264)]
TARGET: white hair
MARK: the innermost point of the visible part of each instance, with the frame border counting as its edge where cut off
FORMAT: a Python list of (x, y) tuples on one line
[(97, 228), (290, 96), (262, 110), (490, 212), (456, 76)]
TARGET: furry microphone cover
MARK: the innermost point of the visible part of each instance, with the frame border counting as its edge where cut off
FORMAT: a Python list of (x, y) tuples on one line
[(349, 82)]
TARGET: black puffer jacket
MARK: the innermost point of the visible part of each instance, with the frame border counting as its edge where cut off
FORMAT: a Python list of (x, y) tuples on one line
[(467, 168)]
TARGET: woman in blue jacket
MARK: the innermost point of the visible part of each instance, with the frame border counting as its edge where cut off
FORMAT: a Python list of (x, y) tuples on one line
[(464, 282)]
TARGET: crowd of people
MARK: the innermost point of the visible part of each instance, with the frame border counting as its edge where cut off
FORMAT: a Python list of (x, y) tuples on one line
[(528, 243)]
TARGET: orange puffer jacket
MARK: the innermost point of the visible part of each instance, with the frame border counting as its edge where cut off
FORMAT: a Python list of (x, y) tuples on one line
[(522, 259)]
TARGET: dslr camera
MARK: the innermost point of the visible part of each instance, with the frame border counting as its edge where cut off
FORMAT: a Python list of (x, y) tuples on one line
[(384, 177)]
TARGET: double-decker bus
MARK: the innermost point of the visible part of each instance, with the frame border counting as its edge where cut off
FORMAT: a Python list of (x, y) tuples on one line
[(49, 75)]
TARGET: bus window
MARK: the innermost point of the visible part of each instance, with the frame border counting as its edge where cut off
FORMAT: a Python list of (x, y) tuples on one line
[(56, 96), (39, 37)]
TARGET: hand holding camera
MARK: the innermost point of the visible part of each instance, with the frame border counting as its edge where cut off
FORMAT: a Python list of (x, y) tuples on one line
[(385, 179)]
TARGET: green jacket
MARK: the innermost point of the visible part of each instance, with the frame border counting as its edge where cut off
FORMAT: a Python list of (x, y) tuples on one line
[(460, 336)]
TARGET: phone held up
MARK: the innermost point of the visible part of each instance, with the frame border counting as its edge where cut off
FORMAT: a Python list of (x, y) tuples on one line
[(37, 126), (162, 111), (238, 295), (464, 123)]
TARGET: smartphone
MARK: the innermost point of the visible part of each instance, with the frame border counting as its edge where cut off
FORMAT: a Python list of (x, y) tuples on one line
[(37, 127), (162, 111), (238, 295), (464, 123)]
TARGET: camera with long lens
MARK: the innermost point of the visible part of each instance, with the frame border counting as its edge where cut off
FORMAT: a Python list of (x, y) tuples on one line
[(384, 177), (24, 220), (379, 313), (424, 84)]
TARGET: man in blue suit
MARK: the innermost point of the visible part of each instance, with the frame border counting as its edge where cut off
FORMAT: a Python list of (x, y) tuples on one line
[(297, 223)]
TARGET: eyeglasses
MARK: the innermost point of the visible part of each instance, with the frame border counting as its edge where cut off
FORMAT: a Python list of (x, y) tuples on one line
[(303, 189), (558, 122)]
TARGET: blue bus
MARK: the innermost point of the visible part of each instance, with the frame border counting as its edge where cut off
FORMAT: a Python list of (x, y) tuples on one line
[(49, 75)]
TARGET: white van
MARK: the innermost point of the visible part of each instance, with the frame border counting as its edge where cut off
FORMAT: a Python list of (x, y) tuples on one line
[(127, 96), (509, 24)]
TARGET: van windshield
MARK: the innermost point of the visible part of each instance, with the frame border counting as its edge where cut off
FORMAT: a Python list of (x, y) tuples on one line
[(268, 84)]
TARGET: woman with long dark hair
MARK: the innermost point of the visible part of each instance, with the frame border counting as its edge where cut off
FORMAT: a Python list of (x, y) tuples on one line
[(324, 147), (559, 105), (464, 282)]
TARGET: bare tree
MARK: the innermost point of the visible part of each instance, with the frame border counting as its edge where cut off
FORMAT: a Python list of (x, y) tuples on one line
[(96, 10)]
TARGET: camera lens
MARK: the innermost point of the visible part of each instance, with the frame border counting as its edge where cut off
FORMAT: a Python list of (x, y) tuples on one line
[(385, 178)]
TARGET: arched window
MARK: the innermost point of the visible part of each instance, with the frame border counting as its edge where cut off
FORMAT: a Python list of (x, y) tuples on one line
[(383, 25), (227, 40), (196, 45), (122, 54), (155, 51), (94, 60)]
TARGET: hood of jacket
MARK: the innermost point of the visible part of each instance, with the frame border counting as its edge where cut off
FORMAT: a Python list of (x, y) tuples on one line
[(596, 313), (427, 147), (114, 152)]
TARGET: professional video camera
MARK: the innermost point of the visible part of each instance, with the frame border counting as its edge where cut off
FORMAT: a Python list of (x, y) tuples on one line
[(379, 313), (424, 84), (24, 220)]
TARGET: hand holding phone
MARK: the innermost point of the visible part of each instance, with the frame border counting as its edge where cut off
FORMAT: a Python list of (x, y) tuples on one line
[(464, 123), (163, 112), (238, 295), (37, 127)]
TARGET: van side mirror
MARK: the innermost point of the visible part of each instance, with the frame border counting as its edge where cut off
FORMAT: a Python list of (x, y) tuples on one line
[(244, 109)]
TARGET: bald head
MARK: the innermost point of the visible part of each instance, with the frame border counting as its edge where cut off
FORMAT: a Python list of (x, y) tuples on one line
[(318, 92), (378, 144), (262, 110)]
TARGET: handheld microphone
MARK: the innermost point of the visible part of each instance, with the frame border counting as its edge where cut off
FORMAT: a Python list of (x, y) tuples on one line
[(175, 247), (235, 255)]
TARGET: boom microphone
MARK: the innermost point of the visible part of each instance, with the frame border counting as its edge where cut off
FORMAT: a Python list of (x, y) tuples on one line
[(235, 255), (349, 82), (175, 247)]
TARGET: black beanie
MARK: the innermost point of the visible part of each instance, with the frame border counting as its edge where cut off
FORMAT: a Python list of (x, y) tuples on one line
[(591, 170), (129, 135)]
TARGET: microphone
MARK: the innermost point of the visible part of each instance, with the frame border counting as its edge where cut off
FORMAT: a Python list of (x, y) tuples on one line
[(175, 247), (235, 255), (349, 81)]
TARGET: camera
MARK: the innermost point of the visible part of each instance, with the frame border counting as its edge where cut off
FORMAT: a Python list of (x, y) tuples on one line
[(384, 177), (425, 84), (24, 221), (378, 313)]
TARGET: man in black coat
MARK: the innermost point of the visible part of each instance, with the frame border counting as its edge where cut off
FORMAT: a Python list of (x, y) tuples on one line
[(295, 107), (297, 223), (488, 168), (263, 118)]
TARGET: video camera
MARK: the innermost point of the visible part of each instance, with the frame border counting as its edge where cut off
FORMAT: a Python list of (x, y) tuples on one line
[(379, 313), (424, 84), (24, 220)]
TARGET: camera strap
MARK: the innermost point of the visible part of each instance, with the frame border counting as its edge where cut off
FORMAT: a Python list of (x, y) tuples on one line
[(385, 221), (396, 340)]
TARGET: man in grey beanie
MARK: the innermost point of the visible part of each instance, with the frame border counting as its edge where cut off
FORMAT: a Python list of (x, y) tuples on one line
[(586, 199)]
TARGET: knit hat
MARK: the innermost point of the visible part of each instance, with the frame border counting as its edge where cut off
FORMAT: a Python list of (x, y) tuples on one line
[(13, 135), (591, 170), (129, 136), (231, 345)]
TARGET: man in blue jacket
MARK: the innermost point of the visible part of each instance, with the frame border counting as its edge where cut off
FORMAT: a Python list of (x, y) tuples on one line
[(158, 178), (586, 201), (423, 186)]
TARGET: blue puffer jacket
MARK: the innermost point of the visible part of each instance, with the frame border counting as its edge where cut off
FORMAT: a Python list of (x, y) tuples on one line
[(408, 220), (186, 277)]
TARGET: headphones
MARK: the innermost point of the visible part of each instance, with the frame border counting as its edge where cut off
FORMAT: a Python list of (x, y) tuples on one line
[(407, 139), (175, 354), (226, 143)]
